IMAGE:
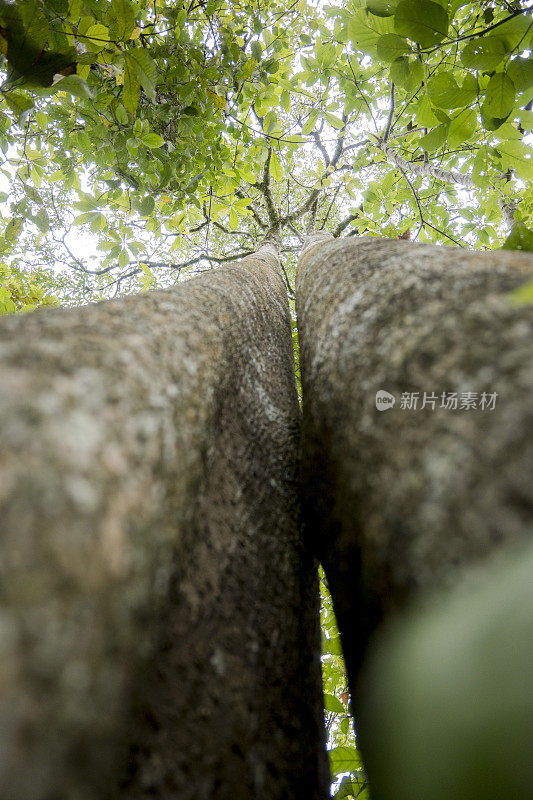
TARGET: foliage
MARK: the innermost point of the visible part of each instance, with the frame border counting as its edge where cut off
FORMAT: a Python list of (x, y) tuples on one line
[(520, 238), (345, 761), (176, 137), (20, 291)]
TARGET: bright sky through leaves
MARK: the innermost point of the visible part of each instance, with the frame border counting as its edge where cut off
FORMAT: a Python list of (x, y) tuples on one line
[(179, 140)]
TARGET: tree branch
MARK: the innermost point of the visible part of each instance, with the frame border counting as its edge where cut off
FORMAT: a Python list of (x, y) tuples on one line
[(421, 213), (255, 214), (264, 188), (312, 217), (424, 169), (391, 114), (345, 223), (319, 144)]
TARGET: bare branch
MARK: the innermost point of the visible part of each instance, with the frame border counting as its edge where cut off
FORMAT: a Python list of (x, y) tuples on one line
[(424, 169), (312, 217), (421, 213), (345, 223), (264, 188), (508, 207), (321, 147), (296, 232), (302, 209), (255, 213), (391, 114), (339, 148), (290, 290)]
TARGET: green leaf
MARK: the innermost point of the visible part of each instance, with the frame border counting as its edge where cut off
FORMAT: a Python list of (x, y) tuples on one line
[(335, 122), (422, 21), (275, 167), (462, 127), (18, 103), (145, 69), (310, 123), (444, 91), (526, 119), (407, 72), (147, 206), (271, 122), (131, 92), (74, 10), (520, 238), (271, 66), (500, 95), (42, 220), (484, 54), (425, 115), (434, 139), (513, 31), (87, 217), (518, 155), (332, 703), (96, 37), (520, 71), (416, 73), (399, 71), (391, 46), (152, 140), (121, 18), (257, 50), (350, 789), (491, 123), (325, 54), (75, 86), (364, 30), (381, 8), (233, 219), (13, 229), (344, 759)]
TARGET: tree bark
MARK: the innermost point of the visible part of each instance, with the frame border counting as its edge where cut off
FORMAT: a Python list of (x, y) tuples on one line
[(400, 501), (155, 592)]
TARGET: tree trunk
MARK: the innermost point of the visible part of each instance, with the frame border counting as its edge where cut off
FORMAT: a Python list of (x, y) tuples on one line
[(155, 593), (399, 500)]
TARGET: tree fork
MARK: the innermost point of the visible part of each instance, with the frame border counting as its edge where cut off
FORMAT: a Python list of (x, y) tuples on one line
[(398, 502), (155, 592)]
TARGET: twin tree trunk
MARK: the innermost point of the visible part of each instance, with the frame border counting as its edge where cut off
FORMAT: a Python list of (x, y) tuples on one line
[(158, 603)]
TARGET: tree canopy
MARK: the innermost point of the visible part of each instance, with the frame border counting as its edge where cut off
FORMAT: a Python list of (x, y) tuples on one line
[(177, 136)]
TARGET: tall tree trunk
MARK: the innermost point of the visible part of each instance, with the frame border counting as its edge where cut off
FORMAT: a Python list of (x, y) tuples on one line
[(155, 593), (399, 500)]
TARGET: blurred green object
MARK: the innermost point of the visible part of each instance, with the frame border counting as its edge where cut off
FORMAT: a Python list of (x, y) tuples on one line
[(447, 692)]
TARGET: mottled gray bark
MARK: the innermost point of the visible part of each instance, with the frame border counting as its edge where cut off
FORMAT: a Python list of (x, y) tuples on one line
[(155, 594), (400, 501)]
